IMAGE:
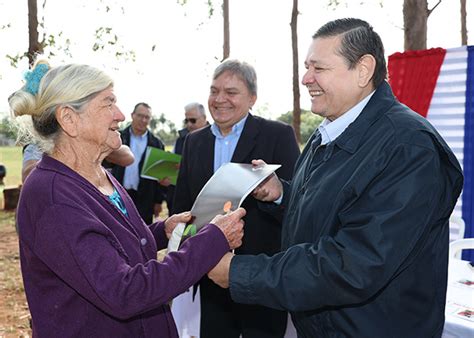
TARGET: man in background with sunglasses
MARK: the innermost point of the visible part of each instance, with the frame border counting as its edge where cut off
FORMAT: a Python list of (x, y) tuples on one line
[(195, 118)]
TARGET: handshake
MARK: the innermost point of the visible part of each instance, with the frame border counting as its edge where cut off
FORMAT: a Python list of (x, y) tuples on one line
[(231, 225)]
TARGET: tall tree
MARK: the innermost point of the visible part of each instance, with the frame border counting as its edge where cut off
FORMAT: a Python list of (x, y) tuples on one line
[(296, 80), (415, 19), (225, 11), (225, 15), (35, 46), (105, 39), (463, 23)]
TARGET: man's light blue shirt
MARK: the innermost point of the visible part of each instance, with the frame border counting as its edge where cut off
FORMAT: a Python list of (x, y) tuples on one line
[(32, 152), (224, 146), (330, 130), (138, 145)]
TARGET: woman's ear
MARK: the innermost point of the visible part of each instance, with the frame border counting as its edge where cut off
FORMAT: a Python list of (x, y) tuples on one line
[(67, 119), (366, 66)]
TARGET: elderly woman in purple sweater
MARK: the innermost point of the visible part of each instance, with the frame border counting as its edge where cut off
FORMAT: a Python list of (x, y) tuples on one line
[(88, 260)]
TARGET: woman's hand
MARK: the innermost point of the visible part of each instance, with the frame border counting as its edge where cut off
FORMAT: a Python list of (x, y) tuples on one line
[(232, 226), (173, 221)]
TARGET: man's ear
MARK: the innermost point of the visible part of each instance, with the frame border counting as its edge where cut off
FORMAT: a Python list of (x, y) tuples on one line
[(68, 120), (253, 100), (366, 66)]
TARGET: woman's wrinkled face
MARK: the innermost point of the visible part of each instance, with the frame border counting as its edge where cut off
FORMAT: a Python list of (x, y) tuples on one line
[(99, 122)]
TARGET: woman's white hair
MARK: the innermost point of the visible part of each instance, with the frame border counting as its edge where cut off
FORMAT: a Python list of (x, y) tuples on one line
[(72, 85)]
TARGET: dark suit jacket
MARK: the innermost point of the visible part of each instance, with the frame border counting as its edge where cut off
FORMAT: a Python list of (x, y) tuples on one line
[(149, 191), (179, 144), (272, 141)]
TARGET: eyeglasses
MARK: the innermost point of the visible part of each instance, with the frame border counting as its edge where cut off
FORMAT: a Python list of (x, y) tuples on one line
[(192, 120), (143, 117)]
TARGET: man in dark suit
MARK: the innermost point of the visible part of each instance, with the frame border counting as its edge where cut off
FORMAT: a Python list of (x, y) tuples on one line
[(236, 136), (147, 194)]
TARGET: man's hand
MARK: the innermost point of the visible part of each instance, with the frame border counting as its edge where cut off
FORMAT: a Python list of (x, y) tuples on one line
[(220, 273), (157, 208), (270, 189), (165, 182), (173, 221)]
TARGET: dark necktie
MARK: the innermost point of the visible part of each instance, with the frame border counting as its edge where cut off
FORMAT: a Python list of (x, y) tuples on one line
[(315, 143)]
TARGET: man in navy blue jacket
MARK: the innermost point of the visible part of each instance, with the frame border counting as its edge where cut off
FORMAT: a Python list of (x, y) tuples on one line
[(365, 230)]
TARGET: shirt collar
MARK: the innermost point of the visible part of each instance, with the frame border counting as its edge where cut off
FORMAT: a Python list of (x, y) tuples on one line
[(144, 135), (236, 128), (331, 130)]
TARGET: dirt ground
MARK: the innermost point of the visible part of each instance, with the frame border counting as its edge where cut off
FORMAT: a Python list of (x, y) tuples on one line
[(14, 314)]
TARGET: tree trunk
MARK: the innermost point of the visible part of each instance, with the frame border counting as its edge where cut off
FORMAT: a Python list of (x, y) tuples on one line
[(34, 47), (463, 23), (296, 81), (415, 18), (225, 7)]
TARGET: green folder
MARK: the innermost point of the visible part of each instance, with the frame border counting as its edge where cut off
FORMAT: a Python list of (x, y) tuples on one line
[(159, 164)]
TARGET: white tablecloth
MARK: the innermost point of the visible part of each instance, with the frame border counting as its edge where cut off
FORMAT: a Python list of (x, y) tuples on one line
[(459, 300)]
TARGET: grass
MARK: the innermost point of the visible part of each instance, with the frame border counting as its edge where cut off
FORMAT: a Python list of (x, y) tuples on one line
[(11, 158), (14, 314)]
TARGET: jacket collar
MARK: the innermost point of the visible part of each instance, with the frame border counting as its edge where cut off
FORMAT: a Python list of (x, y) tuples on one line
[(183, 132), (247, 140), (379, 103)]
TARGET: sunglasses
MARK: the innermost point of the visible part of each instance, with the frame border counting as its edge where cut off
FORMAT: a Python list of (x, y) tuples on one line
[(192, 120)]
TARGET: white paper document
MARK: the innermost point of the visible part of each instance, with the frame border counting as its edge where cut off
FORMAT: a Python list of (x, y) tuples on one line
[(232, 182)]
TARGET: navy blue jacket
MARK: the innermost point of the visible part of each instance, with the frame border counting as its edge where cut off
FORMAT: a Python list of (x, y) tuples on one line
[(366, 234)]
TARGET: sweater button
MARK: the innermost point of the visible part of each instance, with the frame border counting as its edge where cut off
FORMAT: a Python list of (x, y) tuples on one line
[(143, 241)]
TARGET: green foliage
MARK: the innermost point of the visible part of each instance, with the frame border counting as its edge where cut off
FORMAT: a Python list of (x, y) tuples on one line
[(164, 129), (210, 6), (334, 4), (309, 122), (262, 111), (50, 45), (11, 158), (8, 129), (15, 59), (105, 39), (53, 44)]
